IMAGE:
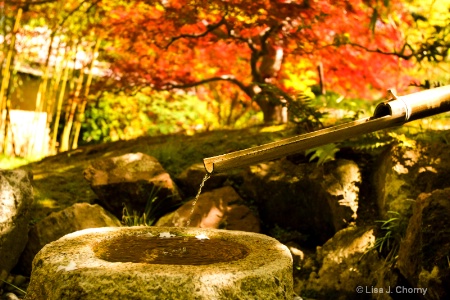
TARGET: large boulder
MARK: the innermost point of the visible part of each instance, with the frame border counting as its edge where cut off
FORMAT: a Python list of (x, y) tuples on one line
[(402, 173), (305, 197), (132, 180), (76, 217), (220, 208), (423, 258), (16, 197), (345, 264)]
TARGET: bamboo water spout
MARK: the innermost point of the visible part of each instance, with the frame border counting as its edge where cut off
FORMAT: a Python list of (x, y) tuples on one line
[(398, 110)]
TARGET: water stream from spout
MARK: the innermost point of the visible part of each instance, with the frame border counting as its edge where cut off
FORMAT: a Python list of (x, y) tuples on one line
[(196, 198)]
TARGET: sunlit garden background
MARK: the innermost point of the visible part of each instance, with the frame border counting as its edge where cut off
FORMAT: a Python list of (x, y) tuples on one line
[(83, 72)]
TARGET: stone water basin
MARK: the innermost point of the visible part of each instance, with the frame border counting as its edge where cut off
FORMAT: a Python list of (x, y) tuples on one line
[(162, 263)]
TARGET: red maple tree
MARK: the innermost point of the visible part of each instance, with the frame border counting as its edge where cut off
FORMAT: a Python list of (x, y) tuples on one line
[(253, 45)]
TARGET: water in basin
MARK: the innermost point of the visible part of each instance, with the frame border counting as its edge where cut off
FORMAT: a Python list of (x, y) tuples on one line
[(173, 250)]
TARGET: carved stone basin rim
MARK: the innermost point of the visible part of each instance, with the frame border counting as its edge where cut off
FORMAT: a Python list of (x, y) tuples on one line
[(77, 267)]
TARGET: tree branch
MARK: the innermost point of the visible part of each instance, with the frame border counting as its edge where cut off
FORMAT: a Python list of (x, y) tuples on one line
[(248, 41), (258, 53), (209, 28), (265, 35), (230, 78), (400, 54)]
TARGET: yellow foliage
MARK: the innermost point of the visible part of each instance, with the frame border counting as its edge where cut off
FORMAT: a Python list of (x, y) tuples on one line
[(301, 76), (274, 128), (159, 7)]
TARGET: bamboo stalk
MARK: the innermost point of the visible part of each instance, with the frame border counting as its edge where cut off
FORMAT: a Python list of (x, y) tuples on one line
[(53, 92), (65, 139), (397, 111), (62, 91), (82, 108), (6, 74)]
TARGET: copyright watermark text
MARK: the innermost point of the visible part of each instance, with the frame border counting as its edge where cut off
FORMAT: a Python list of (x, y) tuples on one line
[(390, 290)]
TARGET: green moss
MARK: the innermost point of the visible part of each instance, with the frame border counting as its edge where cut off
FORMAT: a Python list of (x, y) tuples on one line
[(7, 162), (178, 152)]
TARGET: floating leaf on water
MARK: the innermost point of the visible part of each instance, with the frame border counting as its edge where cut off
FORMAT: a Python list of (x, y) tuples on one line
[(166, 235)]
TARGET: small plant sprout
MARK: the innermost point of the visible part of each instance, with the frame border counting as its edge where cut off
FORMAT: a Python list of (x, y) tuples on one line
[(16, 287), (391, 233), (202, 236), (148, 217)]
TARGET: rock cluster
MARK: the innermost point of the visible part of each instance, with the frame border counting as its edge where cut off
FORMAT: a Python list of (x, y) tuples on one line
[(305, 197), (314, 209), (411, 193), (16, 197), (424, 252)]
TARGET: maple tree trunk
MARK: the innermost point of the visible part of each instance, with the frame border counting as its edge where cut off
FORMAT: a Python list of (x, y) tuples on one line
[(267, 74), (273, 113), (271, 105)]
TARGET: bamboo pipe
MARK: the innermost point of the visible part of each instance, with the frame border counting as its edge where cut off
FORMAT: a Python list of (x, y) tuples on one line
[(398, 110)]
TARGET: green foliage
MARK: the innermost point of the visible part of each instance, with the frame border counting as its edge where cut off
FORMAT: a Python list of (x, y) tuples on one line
[(229, 107), (176, 113), (147, 217), (285, 235), (118, 116), (304, 114), (390, 238), (402, 139), (378, 140), (429, 130), (338, 109), (370, 142), (391, 232), (323, 153)]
